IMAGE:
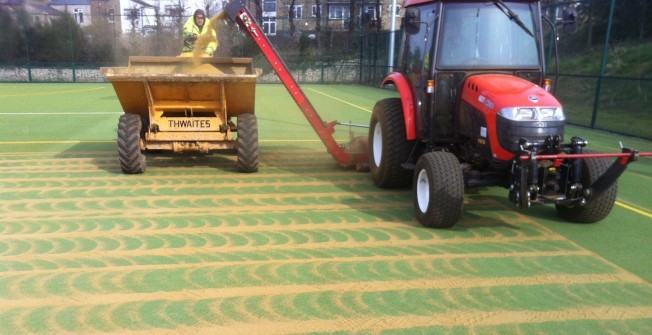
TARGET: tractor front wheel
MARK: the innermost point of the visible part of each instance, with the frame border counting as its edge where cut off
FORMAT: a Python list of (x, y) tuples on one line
[(389, 147), (247, 143), (438, 187), (132, 160), (599, 204)]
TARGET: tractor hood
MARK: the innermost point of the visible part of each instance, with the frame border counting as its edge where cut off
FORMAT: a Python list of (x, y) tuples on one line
[(493, 92), (505, 109)]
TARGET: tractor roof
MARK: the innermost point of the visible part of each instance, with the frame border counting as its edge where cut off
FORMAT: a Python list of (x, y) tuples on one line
[(409, 3)]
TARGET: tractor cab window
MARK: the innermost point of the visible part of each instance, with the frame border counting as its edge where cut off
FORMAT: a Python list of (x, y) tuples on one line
[(482, 36)]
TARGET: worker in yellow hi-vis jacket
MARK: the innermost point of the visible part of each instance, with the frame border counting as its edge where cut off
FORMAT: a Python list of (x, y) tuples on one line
[(199, 26)]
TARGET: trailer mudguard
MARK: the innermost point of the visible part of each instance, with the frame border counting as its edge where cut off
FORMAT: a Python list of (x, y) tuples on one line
[(407, 99)]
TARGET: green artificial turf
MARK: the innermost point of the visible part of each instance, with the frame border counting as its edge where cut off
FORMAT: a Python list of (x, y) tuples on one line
[(301, 247)]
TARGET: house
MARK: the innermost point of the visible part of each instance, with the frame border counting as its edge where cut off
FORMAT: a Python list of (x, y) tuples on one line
[(108, 10), (80, 9), (146, 16), (334, 14), (140, 16), (39, 11)]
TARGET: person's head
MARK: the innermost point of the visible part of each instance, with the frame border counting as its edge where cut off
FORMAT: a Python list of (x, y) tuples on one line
[(200, 17)]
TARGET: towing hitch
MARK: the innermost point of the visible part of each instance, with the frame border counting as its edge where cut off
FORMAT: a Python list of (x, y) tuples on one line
[(558, 177)]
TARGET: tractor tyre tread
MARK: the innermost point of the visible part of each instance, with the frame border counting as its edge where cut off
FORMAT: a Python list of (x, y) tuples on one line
[(247, 143), (395, 145), (599, 205), (446, 189), (132, 160)]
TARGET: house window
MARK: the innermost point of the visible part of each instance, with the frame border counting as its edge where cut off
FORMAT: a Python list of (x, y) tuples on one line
[(336, 12), (314, 10), (269, 6), (269, 25), (111, 16), (370, 12), (298, 11), (397, 10), (79, 15)]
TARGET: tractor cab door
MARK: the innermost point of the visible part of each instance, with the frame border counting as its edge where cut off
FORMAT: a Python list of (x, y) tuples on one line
[(420, 28)]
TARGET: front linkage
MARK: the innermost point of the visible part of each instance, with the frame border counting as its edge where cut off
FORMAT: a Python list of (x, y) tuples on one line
[(555, 173)]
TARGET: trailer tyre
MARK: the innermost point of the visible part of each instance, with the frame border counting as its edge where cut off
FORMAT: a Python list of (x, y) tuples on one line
[(438, 187), (247, 143), (599, 205), (389, 147), (132, 160)]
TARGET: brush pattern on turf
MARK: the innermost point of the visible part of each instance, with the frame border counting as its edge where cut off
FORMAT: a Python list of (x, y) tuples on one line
[(302, 246)]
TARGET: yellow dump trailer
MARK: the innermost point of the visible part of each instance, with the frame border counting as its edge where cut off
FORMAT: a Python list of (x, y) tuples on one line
[(183, 104)]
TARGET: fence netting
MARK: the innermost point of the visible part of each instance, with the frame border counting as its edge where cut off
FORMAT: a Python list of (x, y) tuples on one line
[(353, 52)]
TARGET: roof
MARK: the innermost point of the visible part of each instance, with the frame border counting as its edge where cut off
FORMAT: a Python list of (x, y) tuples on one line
[(31, 7), (70, 2)]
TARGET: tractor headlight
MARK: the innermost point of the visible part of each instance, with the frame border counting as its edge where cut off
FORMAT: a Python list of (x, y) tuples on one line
[(533, 113)]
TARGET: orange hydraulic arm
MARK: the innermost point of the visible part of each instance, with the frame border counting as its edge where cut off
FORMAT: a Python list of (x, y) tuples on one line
[(237, 11)]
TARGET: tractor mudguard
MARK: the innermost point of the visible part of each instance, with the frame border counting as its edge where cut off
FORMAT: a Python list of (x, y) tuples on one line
[(407, 99)]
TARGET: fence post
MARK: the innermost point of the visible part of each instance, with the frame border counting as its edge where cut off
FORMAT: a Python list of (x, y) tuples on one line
[(375, 56), (392, 27), (362, 42), (72, 50), (552, 35), (603, 65), (321, 68), (29, 65)]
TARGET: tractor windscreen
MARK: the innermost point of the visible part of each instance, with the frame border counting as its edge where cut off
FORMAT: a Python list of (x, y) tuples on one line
[(482, 36)]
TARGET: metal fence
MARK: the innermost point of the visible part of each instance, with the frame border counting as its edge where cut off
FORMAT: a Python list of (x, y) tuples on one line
[(622, 105), (593, 97)]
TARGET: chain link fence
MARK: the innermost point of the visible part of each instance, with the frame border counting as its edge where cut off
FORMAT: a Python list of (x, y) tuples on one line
[(613, 97)]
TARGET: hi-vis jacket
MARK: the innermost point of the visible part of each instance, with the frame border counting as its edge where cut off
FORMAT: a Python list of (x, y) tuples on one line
[(190, 28)]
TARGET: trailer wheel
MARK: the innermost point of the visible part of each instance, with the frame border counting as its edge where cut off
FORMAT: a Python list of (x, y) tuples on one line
[(247, 143), (599, 205), (389, 147), (132, 160), (438, 187)]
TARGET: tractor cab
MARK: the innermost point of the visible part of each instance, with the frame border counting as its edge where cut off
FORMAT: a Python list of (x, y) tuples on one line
[(446, 42)]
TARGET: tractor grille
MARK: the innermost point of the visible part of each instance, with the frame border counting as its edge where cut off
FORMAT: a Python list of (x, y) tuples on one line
[(510, 132)]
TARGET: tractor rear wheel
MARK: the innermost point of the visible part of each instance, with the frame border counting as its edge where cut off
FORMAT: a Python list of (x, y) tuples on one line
[(132, 160), (599, 205), (389, 147), (438, 187), (247, 143)]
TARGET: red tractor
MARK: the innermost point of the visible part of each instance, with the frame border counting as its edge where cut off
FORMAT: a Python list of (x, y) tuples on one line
[(472, 112), (475, 110)]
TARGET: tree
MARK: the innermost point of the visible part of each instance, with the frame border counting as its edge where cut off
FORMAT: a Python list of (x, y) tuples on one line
[(132, 16), (101, 45), (179, 16), (351, 25), (354, 11), (60, 41), (643, 19), (318, 24), (291, 15), (258, 12), (12, 39), (632, 19), (379, 17), (211, 7)]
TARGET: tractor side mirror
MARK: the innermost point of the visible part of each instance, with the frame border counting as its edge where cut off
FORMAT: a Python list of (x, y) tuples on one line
[(411, 21), (569, 20)]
